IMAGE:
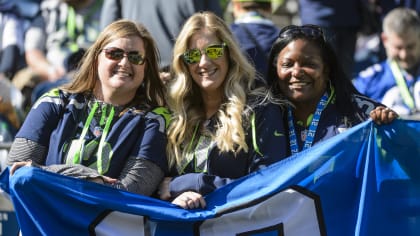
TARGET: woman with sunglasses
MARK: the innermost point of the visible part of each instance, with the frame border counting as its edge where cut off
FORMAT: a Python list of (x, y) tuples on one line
[(221, 129), (304, 69), (108, 124)]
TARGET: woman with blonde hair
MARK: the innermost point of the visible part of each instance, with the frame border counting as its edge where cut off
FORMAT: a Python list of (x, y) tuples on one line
[(221, 128), (107, 125)]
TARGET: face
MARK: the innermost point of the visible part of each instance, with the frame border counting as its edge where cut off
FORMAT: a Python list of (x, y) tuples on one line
[(208, 73), (404, 49), (119, 75), (302, 73)]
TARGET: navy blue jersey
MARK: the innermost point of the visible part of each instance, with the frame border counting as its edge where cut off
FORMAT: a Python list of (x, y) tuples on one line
[(332, 122), (267, 142), (57, 119)]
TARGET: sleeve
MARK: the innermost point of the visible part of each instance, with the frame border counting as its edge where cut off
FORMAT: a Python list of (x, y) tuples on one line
[(268, 144), (269, 137), (12, 32), (374, 81), (152, 145), (138, 176), (12, 45), (9, 59), (197, 182), (361, 81), (35, 36), (42, 119)]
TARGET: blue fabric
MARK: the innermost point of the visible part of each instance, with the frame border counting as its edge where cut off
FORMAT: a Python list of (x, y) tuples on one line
[(362, 182)]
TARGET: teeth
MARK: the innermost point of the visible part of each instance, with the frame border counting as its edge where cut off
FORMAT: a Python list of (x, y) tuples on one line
[(207, 73), (123, 73), (300, 83)]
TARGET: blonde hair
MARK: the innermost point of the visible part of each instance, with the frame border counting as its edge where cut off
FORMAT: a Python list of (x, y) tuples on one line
[(184, 97), (151, 92)]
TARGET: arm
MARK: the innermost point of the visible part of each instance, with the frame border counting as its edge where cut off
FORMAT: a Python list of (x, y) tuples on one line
[(268, 146), (35, 52), (138, 176), (12, 44)]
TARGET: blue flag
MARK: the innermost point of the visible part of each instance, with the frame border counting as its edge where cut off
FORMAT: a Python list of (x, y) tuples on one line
[(365, 181)]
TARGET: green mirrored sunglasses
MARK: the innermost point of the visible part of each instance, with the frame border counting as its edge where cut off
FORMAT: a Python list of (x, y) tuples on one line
[(213, 51)]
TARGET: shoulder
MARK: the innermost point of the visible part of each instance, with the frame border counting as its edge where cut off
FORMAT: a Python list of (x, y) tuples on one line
[(269, 113), (60, 98), (373, 71), (161, 115)]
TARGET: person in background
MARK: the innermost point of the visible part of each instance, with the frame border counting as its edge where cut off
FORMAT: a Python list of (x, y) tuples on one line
[(13, 24), (163, 18), (304, 69), (395, 81), (341, 22), (57, 39), (254, 30), (220, 129), (108, 124)]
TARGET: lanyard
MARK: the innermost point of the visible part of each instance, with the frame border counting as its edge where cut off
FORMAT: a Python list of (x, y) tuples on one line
[(402, 85), (312, 128), (198, 153), (102, 160)]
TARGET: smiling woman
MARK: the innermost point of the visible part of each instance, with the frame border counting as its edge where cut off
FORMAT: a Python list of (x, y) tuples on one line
[(108, 124), (221, 128), (304, 69)]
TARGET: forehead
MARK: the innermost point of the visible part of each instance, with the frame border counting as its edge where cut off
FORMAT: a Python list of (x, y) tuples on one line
[(302, 48), (203, 38), (408, 37), (131, 43)]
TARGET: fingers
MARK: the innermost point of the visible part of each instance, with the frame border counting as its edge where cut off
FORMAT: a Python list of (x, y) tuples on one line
[(190, 200), (19, 164), (383, 115), (109, 180)]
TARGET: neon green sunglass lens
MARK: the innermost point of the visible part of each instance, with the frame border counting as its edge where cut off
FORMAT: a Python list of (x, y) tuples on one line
[(213, 52)]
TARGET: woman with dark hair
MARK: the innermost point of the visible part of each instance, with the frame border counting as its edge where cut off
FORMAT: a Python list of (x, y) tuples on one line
[(107, 125), (305, 70)]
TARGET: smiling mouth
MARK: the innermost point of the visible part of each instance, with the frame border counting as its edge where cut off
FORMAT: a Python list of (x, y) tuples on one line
[(207, 73), (298, 84), (123, 74)]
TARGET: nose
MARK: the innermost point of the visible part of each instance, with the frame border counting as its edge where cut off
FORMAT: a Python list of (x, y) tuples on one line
[(297, 71), (124, 59), (204, 59), (403, 54)]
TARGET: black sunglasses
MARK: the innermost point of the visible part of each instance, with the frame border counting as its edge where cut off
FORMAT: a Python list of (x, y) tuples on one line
[(117, 54), (312, 31), (213, 51)]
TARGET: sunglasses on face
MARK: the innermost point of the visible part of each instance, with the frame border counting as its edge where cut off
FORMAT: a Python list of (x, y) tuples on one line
[(312, 31), (117, 54), (213, 51)]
